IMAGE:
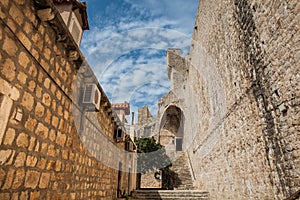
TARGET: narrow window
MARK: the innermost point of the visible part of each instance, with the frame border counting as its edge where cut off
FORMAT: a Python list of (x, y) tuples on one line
[(178, 144)]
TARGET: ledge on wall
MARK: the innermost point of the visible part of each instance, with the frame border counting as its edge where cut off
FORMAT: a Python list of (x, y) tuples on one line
[(47, 12)]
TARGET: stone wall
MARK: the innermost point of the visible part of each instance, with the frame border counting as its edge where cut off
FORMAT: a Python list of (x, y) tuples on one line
[(41, 153), (149, 181), (240, 98), (144, 115), (147, 124)]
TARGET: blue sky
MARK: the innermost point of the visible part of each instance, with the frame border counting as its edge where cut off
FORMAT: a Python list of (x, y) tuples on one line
[(126, 46)]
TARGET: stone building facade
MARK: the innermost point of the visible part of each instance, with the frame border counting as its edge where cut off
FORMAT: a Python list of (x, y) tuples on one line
[(238, 91), (147, 124), (122, 109), (49, 139)]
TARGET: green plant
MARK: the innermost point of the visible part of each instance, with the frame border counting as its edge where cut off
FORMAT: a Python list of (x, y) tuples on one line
[(147, 162), (123, 194)]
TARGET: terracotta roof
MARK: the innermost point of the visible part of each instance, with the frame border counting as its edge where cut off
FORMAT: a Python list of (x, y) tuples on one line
[(82, 7), (124, 106)]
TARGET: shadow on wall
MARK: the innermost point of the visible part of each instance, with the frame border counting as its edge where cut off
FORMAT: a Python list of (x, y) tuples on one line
[(170, 179)]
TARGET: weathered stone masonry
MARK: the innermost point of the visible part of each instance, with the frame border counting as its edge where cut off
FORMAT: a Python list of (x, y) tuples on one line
[(239, 92), (41, 155)]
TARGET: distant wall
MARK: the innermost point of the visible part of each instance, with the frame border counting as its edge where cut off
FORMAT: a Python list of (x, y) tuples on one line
[(240, 98), (41, 154), (144, 115)]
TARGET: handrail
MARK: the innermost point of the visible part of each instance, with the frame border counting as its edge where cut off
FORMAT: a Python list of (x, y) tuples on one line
[(191, 166)]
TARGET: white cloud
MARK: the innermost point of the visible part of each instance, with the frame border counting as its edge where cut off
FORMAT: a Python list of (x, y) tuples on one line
[(127, 53)]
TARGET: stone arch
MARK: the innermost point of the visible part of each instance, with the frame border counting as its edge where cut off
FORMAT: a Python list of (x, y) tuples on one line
[(171, 130)]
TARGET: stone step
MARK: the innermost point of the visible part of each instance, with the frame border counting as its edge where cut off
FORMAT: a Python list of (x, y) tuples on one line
[(181, 167), (169, 194)]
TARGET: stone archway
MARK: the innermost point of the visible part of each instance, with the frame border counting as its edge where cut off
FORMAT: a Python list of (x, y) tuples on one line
[(171, 132)]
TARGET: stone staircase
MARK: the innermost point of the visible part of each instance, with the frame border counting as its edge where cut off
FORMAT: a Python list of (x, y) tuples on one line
[(181, 167), (182, 186), (169, 194)]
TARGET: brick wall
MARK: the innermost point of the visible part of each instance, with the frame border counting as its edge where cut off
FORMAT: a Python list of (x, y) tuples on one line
[(241, 99), (41, 152)]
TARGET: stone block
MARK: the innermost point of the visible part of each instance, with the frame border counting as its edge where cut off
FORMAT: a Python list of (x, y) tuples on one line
[(47, 83), (31, 144), (71, 155), (44, 148), (58, 95), (20, 160), (24, 195), (47, 53), (46, 99), (39, 110), (22, 140), (52, 135), (8, 69), (27, 27), (48, 117), (58, 165), (41, 163), (45, 65), (4, 195), (61, 139), (42, 131), (12, 25), (55, 186), (24, 40), (35, 195), (22, 77), (36, 55), (20, 174), (50, 165), (30, 123), (23, 60), (51, 150), (9, 136), (44, 180), (53, 105), (66, 115), (55, 121), (15, 196), (2, 176), (65, 154), (9, 179), (4, 156), (41, 77), (53, 88), (60, 110), (62, 125), (9, 46), (31, 161), (33, 71), (31, 85), (63, 75), (28, 101), (38, 91), (32, 179), (16, 14)]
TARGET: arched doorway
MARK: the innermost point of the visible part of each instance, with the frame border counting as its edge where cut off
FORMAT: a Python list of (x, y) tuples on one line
[(171, 129)]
